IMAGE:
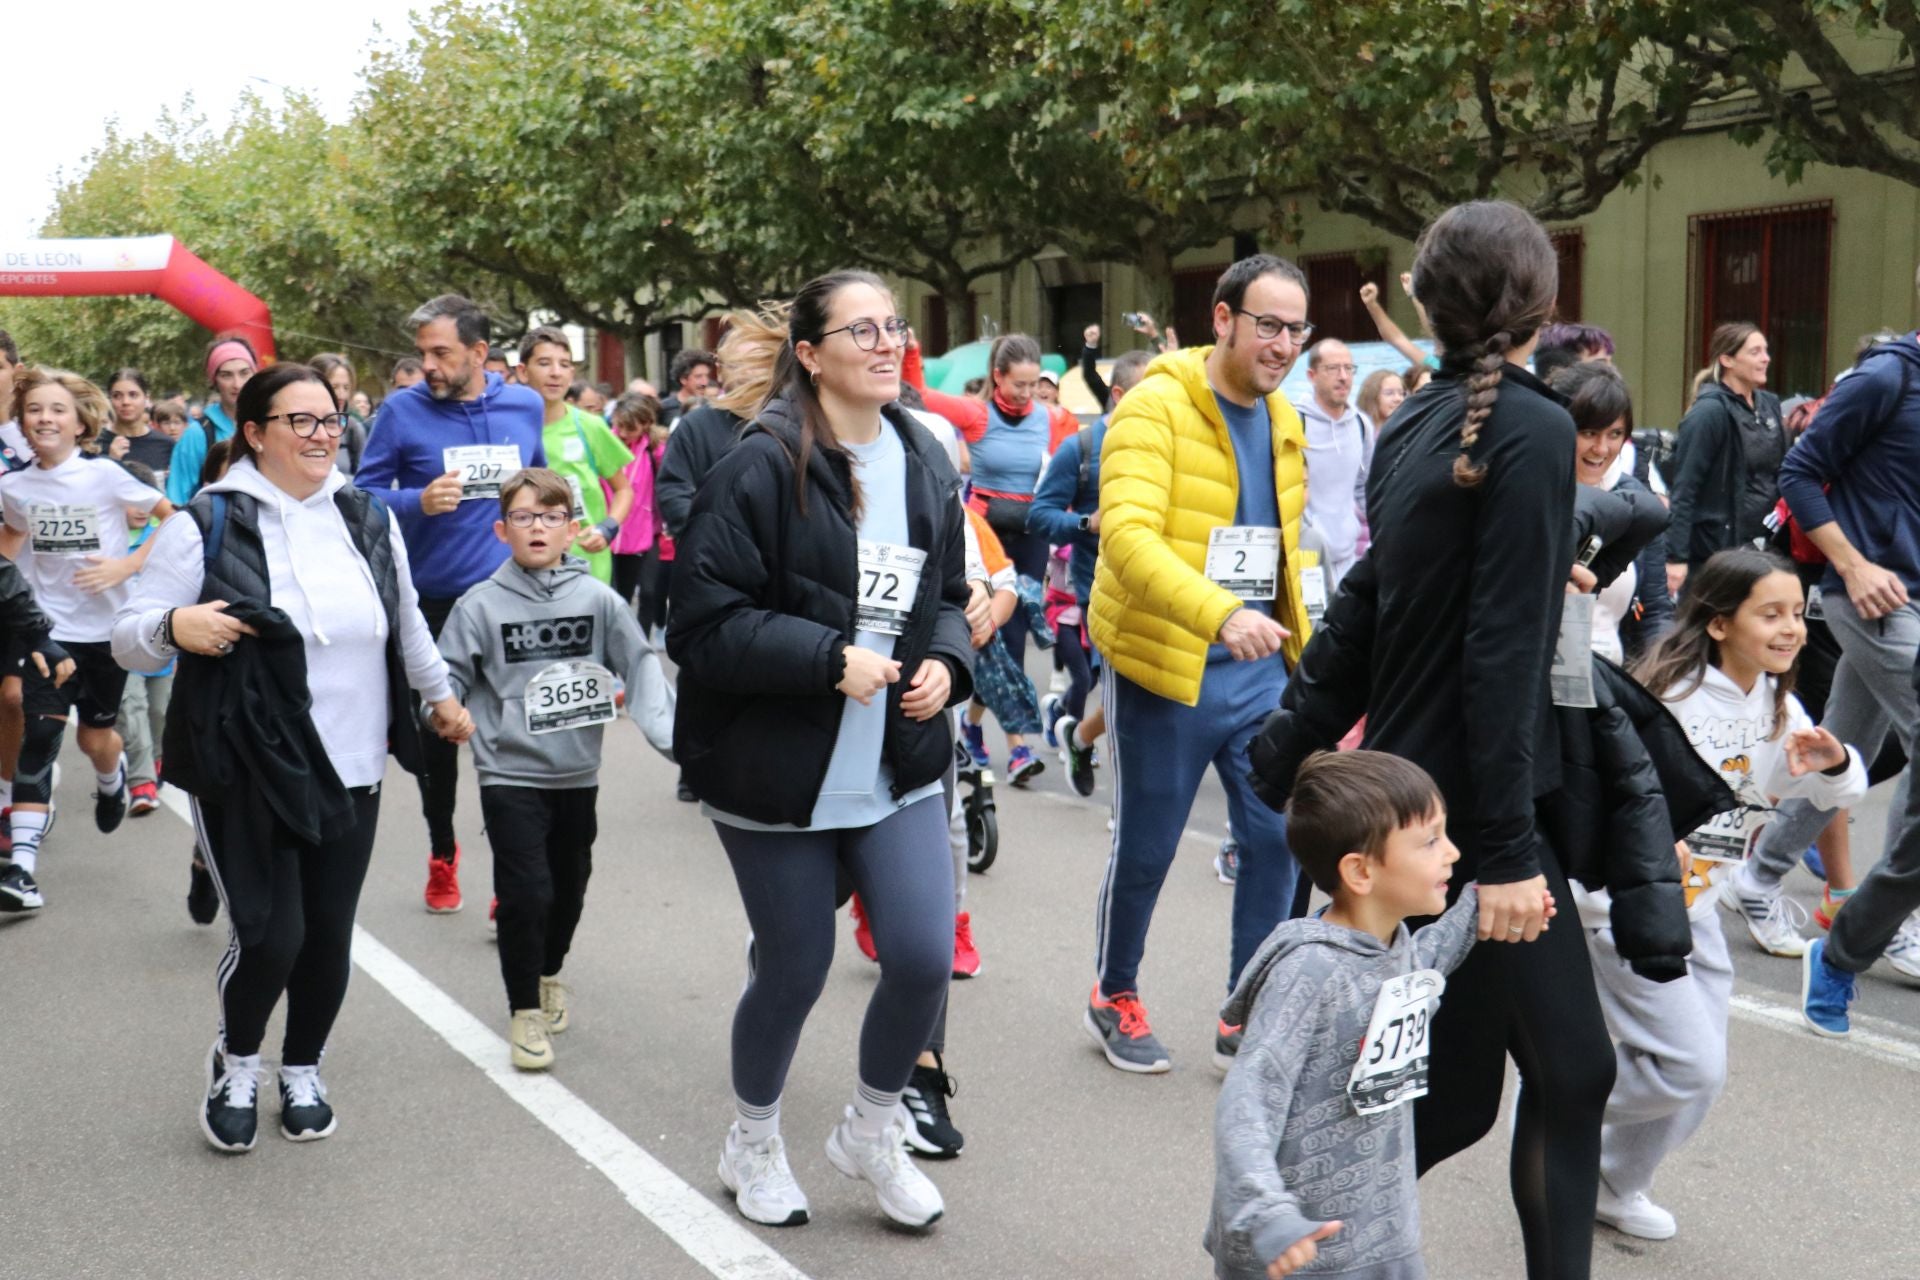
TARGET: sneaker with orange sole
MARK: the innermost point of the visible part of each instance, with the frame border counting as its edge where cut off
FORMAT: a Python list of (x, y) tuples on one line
[(1120, 1024), (966, 956), (443, 884), (146, 798)]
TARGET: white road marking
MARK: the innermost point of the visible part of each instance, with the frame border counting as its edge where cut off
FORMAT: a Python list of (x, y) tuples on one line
[(709, 1235), (1198, 837), (1876, 1038)]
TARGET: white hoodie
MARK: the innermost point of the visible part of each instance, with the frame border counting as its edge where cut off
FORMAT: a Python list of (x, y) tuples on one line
[(321, 582), (1733, 732)]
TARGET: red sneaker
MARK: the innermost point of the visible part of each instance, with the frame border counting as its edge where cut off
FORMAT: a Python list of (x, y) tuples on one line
[(862, 933), (443, 884), (966, 957), (146, 798)]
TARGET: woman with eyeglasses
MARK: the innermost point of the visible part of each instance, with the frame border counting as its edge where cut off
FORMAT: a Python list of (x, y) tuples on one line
[(285, 595), (819, 622), (1010, 435)]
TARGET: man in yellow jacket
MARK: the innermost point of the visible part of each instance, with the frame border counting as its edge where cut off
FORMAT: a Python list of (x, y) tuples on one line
[(1198, 613)]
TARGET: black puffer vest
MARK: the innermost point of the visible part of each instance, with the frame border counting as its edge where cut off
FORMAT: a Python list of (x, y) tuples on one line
[(239, 572)]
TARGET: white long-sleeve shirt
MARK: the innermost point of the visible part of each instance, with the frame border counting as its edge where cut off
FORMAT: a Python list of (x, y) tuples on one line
[(322, 583)]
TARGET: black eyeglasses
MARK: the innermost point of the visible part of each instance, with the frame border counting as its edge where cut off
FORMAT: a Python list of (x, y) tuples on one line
[(1271, 327), (306, 424), (524, 519), (866, 334)]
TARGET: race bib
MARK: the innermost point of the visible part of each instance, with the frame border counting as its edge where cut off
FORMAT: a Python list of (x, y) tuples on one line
[(889, 584), (1245, 559), (483, 468), (1313, 585), (62, 530), (1572, 675), (1393, 1058), (1726, 836), (579, 498), (569, 695)]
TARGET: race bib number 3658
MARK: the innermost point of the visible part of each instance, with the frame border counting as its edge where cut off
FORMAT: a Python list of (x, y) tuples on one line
[(569, 695), (1392, 1069)]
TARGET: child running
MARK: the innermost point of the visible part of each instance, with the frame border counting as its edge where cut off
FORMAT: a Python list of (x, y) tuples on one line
[(532, 652), (1726, 671), (72, 510), (1313, 1137)]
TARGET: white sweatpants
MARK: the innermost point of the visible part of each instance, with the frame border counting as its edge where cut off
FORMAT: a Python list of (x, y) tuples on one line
[(1670, 1047)]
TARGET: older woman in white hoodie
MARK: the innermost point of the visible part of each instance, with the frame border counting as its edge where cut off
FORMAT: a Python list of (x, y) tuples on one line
[(286, 795)]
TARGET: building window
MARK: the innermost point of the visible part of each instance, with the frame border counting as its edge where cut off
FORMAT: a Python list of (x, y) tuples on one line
[(938, 334), (1770, 267), (1333, 294), (1192, 316), (1571, 248)]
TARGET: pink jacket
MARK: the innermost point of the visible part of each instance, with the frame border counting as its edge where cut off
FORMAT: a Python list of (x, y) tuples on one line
[(642, 525)]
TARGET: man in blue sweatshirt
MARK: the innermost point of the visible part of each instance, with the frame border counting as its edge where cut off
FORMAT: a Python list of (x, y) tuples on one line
[(1853, 483), (442, 450)]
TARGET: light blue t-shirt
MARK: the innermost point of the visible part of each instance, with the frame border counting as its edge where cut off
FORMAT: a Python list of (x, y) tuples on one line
[(858, 790), (1251, 429)]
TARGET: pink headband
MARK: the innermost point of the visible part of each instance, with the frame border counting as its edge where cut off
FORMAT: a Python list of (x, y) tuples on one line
[(225, 351)]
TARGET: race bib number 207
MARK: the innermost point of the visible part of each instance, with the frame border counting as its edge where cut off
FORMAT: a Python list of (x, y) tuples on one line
[(483, 468)]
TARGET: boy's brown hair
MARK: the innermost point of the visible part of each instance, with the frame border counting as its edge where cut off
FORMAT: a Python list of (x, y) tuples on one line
[(549, 489), (1350, 802), (168, 410)]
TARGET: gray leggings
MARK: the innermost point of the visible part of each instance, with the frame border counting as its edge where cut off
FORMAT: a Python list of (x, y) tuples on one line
[(904, 874)]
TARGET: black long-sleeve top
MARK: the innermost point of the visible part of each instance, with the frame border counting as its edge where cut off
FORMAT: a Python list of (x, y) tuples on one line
[(1470, 583)]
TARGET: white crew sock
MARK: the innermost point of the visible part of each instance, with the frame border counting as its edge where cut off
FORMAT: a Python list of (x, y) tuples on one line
[(757, 1124), (27, 830), (110, 783), (873, 1111)]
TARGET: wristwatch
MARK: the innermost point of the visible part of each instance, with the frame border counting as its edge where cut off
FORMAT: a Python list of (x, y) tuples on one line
[(1086, 524)]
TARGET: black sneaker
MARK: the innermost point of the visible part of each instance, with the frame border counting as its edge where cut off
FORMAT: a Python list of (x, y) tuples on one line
[(304, 1113), (230, 1113), (684, 793), (203, 900), (1078, 759), (18, 892), (109, 811), (932, 1133)]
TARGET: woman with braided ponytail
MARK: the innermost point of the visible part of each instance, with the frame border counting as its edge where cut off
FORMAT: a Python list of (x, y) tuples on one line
[(1471, 498)]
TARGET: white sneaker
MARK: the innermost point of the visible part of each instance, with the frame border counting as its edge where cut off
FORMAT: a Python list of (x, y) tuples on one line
[(1773, 919), (762, 1184), (1635, 1215), (906, 1195), (1903, 953)]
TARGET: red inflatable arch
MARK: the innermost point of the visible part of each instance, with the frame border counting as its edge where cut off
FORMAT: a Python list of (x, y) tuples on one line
[(156, 265)]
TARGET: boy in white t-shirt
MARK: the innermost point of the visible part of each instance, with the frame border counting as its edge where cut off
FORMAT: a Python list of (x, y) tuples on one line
[(71, 509)]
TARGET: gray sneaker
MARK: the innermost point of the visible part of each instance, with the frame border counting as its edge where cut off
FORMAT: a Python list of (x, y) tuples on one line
[(1773, 919), (1226, 863), (1120, 1025)]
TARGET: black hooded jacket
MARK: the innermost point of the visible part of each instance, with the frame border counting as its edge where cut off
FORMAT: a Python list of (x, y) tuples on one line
[(763, 610), (1725, 473)]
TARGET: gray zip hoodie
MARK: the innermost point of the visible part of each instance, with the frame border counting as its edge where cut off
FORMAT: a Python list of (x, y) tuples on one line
[(1290, 1151), (510, 627)]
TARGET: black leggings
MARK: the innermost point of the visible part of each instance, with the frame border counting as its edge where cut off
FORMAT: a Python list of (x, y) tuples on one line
[(439, 760), (1537, 1002), (1028, 551), (542, 858), (306, 948), (1073, 656)]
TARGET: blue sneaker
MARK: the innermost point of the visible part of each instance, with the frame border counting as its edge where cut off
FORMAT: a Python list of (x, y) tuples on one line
[(1812, 861), (1825, 993), (977, 745), (1023, 766), (1050, 713)]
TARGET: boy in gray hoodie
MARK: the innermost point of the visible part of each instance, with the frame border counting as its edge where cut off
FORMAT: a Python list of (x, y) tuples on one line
[(532, 651), (1313, 1140)]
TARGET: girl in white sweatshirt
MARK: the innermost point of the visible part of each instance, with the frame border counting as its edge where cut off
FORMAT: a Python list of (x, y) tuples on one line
[(1726, 672)]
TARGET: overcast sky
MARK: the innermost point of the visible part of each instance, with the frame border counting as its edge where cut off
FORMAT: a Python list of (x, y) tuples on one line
[(131, 59)]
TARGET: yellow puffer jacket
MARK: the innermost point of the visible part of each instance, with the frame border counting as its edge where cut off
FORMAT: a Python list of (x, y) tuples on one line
[(1167, 479)]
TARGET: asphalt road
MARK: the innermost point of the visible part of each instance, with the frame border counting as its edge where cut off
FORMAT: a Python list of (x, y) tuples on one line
[(448, 1164)]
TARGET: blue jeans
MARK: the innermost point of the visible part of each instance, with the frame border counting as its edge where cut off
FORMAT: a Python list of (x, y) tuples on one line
[(1160, 751)]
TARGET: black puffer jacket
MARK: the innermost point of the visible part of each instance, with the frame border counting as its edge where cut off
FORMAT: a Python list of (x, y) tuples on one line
[(763, 607), (1631, 785), (1714, 468), (701, 440)]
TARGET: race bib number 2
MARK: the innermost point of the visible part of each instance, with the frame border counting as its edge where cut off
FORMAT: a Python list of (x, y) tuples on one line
[(1392, 1069), (889, 583), (62, 530), (569, 695), (483, 468), (1245, 559)]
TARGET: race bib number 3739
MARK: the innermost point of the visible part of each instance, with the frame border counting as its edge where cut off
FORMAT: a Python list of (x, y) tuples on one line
[(1392, 1069)]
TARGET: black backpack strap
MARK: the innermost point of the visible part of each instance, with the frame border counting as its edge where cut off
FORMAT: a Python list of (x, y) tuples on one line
[(1084, 437)]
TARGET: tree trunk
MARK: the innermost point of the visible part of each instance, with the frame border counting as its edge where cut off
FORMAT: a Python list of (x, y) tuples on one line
[(1154, 265), (635, 342)]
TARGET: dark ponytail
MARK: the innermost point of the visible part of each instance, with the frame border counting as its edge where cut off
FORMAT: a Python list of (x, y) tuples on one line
[(1487, 277), (1008, 350), (808, 321)]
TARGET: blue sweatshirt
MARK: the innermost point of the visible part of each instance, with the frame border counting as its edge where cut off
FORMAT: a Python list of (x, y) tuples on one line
[(1061, 500), (1865, 443), (190, 454), (407, 452)]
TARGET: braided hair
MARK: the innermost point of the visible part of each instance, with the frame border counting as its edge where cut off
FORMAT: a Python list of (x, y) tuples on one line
[(1487, 277)]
